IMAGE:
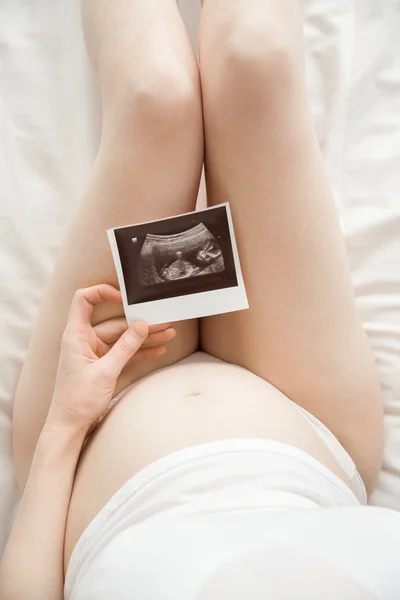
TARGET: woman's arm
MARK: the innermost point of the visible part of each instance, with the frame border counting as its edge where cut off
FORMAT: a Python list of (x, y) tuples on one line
[(32, 564), (91, 361)]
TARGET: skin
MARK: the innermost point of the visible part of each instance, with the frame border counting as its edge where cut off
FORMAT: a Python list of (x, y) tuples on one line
[(32, 564), (248, 108)]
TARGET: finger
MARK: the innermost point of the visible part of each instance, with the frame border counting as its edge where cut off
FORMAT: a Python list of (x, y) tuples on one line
[(160, 327), (111, 330), (148, 353), (125, 348), (160, 337), (101, 348), (86, 299)]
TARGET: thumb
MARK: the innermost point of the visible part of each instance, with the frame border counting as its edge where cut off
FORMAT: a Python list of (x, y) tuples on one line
[(127, 345)]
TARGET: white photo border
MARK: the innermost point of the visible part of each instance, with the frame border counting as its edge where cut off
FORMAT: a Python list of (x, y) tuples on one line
[(190, 306)]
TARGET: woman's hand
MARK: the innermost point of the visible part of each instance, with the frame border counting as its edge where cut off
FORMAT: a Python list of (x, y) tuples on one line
[(92, 358)]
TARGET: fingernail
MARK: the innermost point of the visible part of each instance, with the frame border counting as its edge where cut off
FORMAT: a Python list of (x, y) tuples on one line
[(140, 329)]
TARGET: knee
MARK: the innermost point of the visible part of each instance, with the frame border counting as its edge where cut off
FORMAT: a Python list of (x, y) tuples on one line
[(256, 59), (162, 99)]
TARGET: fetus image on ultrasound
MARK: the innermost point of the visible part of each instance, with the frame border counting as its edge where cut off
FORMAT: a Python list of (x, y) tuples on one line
[(182, 255), (169, 258)]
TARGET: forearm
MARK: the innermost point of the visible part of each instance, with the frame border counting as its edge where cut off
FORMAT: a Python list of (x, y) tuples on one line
[(32, 564)]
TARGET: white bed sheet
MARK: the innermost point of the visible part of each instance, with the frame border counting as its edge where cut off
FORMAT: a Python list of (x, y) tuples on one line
[(49, 126)]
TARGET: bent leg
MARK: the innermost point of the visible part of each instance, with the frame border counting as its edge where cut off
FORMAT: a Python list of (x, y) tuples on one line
[(301, 333), (148, 167)]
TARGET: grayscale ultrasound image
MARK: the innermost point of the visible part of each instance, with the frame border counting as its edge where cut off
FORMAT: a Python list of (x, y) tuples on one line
[(183, 255), (192, 253)]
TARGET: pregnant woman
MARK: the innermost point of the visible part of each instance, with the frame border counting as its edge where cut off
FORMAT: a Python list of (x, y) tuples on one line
[(238, 449)]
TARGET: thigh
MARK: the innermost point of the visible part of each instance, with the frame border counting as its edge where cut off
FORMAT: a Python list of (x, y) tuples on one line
[(302, 332), (148, 166)]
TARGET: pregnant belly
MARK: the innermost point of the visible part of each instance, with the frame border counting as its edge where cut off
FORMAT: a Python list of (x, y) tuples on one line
[(197, 400)]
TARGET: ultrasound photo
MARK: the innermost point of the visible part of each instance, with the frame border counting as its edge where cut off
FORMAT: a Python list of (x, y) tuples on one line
[(192, 253), (180, 267)]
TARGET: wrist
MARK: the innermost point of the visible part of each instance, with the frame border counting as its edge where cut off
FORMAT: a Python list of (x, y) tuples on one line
[(57, 448), (61, 421), (52, 434)]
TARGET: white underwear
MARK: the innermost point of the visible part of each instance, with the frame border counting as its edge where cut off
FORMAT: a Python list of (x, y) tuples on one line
[(171, 530)]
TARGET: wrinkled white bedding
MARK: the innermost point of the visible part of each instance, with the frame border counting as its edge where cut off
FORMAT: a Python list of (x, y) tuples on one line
[(49, 124)]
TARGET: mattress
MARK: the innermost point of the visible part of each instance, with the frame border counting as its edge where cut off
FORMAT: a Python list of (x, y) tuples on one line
[(49, 127)]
